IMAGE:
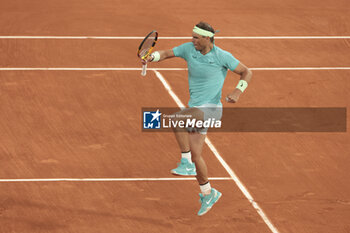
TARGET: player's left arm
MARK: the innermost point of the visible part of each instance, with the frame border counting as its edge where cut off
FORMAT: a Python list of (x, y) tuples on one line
[(246, 76)]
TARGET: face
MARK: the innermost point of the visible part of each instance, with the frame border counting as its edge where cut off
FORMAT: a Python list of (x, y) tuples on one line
[(200, 42)]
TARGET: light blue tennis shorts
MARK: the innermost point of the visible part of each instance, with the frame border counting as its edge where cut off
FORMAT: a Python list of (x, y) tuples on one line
[(211, 111)]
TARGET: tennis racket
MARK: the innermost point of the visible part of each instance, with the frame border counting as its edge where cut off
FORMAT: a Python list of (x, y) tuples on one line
[(146, 47)]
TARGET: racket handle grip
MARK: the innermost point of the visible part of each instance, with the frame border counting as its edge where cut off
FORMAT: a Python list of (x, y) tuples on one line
[(144, 68)]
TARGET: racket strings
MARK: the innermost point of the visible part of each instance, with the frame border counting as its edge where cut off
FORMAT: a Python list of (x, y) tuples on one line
[(144, 53), (147, 46)]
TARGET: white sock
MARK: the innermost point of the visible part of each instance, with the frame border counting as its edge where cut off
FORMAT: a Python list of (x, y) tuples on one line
[(205, 188), (187, 155)]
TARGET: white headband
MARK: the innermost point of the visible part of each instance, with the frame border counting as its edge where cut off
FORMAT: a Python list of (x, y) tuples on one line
[(202, 32)]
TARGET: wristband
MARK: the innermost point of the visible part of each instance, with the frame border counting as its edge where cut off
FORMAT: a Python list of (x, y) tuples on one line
[(242, 85), (156, 56)]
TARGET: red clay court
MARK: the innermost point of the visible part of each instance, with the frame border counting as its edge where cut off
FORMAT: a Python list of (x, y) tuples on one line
[(73, 157)]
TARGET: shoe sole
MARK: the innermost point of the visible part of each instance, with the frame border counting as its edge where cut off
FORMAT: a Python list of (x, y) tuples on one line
[(177, 174), (207, 210)]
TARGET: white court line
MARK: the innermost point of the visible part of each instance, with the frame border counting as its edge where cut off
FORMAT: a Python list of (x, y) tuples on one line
[(105, 179), (82, 68), (178, 37), (222, 161), (155, 69), (301, 68)]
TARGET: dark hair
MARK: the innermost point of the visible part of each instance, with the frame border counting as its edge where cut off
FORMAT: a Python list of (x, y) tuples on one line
[(207, 27)]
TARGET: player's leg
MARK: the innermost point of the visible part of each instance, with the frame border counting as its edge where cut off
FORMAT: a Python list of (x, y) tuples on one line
[(208, 196), (182, 139), (196, 145), (186, 167), (210, 111)]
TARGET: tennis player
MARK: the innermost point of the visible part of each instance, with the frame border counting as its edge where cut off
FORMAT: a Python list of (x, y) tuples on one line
[(207, 68)]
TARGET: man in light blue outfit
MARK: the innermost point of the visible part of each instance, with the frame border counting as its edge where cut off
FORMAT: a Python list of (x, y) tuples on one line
[(207, 69)]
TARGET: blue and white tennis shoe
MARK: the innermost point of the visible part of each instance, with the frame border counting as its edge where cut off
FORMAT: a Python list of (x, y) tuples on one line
[(208, 201), (185, 168)]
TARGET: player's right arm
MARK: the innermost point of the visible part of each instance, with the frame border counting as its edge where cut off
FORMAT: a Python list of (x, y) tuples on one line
[(165, 54), (179, 51)]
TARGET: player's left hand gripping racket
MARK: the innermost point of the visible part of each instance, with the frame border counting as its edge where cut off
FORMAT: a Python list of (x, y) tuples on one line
[(146, 47)]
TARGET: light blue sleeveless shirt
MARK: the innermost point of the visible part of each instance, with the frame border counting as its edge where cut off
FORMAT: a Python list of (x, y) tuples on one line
[(206, 73)]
